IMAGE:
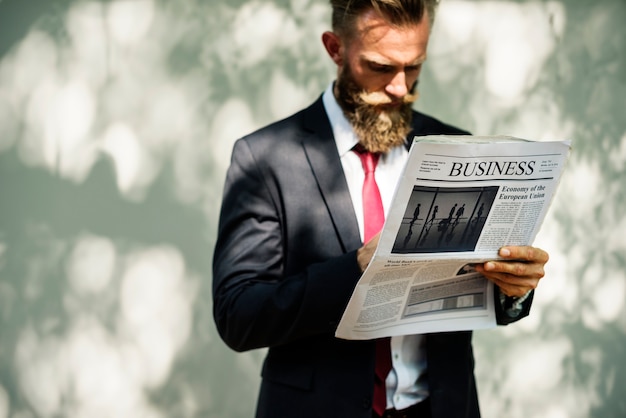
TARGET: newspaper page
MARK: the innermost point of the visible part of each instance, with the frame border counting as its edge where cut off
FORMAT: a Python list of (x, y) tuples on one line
[(458, 201)]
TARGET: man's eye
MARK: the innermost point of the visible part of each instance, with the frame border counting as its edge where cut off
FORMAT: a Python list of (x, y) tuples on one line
[(379, 68)]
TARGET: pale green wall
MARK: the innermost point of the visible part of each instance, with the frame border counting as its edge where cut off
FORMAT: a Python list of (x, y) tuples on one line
[(116, 123)]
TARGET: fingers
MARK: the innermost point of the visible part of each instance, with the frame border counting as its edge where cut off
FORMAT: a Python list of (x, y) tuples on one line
[(517, 288), (524, 253), (514, 269), (509, 284), (518, 272), (366, 252), (522, 262)]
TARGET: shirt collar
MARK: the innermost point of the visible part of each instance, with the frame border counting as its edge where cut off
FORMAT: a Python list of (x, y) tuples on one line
[(345, 139)]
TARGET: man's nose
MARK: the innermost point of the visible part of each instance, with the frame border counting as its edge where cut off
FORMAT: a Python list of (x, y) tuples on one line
[(397, 85)]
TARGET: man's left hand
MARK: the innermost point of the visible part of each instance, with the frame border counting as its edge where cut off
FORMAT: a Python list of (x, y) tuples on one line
[(518, 272)]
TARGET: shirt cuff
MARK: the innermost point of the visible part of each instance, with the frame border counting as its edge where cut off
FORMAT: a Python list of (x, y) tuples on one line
[(512, 305)]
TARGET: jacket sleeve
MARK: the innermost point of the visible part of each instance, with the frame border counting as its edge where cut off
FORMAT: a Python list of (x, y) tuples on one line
[(256, 302), (508, 309)]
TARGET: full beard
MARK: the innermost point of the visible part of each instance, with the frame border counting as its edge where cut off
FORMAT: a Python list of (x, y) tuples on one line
[(378, 125)]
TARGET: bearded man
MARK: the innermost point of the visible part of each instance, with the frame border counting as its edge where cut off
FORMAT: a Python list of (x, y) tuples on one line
[(294, 236)]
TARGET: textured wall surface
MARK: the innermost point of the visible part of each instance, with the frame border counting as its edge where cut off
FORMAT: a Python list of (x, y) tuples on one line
[(116, 124)]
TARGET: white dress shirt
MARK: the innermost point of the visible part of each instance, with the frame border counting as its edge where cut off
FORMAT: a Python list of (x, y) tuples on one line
[(406, 383)]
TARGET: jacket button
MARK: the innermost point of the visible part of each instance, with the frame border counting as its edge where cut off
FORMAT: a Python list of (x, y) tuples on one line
[(367, 402)]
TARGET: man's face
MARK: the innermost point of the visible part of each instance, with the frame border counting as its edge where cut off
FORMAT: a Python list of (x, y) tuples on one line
[(378, 74), (378, 121)]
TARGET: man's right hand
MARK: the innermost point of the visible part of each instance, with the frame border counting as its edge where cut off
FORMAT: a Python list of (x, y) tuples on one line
[(366, 252)]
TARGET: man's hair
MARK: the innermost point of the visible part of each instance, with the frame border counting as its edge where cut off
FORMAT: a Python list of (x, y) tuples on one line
[(397, 12)]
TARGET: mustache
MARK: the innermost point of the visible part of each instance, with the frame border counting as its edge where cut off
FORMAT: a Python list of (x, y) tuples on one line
[(380, 99)]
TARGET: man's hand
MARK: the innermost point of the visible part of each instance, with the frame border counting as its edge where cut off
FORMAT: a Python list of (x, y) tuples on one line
[(519, 272), (366, 252)]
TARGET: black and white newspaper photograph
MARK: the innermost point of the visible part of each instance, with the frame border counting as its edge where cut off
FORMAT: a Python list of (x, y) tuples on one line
[(441, 219)]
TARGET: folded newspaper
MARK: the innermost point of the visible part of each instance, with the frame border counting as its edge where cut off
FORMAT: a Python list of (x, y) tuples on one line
[(459, 199)]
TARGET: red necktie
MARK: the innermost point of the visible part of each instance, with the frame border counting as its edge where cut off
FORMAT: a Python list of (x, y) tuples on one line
[(373, 220)]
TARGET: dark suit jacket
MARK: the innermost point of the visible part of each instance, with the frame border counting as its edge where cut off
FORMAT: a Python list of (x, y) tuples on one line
[(285, 267)]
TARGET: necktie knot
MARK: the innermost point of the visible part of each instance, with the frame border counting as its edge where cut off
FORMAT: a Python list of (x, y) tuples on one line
[(369, 160)]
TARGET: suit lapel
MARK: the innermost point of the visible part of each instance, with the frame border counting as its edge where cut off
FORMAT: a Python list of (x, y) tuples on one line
[(321, 151)]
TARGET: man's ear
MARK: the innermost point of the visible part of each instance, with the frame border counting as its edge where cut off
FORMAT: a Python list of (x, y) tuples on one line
[(334, 47)]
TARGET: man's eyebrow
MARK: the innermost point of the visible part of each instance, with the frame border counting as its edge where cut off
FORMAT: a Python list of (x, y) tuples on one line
[(387, 63)]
